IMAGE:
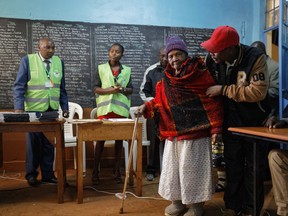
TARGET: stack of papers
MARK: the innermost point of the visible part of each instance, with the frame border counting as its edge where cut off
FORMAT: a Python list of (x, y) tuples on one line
[(119, 120), (82, 120)]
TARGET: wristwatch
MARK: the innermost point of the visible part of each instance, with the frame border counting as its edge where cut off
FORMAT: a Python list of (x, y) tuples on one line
[(65, 114)]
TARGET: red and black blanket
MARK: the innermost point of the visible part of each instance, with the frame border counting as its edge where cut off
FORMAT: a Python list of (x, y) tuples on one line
[(182, 105)]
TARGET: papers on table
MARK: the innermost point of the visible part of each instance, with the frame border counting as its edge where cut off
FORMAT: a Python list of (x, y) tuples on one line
[(77, 121), (119, 120), (74, 121)]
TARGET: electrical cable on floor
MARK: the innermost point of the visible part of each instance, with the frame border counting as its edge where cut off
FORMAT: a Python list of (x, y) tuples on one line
[(119, 195), (14, 177)]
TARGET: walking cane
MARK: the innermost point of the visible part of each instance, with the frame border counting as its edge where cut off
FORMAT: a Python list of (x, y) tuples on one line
[(129, 161)]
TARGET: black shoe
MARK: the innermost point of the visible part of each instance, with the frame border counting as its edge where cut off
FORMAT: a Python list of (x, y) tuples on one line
[(95, 180), (53, 180), (117, 177), (32, 181)]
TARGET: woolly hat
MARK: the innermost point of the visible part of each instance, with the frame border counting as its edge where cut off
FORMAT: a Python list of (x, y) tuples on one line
[(175, 42), (222, 38)]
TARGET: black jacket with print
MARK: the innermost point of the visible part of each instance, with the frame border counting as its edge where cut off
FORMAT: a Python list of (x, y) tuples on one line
[(245, 86)]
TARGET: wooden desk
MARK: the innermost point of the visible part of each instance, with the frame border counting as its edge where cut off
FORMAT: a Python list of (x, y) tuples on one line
[(262, 133), (106, 130), (57, 127), (279, 135)]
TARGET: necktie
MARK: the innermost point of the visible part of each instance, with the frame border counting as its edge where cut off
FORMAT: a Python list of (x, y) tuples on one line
[(47, 65)]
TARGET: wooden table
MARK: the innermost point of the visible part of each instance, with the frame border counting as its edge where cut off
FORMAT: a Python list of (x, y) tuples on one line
[(107, 130), (279, 135), (56, 127)]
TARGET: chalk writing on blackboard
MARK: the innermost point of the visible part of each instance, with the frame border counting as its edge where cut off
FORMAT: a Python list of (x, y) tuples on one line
[(82, 46)]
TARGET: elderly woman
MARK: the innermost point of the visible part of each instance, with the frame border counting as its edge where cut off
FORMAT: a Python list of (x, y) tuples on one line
[(188, 121)]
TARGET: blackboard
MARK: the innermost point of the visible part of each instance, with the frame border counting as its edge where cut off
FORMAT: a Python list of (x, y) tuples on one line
[(82, 46)]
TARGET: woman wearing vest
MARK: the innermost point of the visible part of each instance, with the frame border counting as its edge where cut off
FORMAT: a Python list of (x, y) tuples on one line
[(113, 86), (40, 87)]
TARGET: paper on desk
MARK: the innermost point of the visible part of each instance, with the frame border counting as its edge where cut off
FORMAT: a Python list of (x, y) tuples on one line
[(82, 120), (119, 120)]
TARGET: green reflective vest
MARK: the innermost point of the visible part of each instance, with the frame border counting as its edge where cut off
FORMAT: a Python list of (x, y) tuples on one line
[(43, 92), (117, 103)]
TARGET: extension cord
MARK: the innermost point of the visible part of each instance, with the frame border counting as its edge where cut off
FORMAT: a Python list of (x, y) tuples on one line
[(120, 195)]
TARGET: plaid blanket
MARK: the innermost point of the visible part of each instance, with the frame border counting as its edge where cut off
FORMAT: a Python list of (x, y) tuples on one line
[(181, 103)]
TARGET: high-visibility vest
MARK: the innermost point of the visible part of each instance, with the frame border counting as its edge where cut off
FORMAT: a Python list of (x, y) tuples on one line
[(41, 95), (117, 103)]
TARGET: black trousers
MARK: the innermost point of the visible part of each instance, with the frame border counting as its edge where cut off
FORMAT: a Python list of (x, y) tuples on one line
[(39, 152), (238, 154)]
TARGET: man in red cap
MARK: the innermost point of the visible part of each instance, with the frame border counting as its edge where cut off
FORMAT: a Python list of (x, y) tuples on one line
[(242, 77)]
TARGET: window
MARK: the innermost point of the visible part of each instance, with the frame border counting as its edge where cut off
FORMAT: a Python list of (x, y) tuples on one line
[(272, 13)]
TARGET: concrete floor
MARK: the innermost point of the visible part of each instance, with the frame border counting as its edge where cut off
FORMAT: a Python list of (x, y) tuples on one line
[(19, 199)]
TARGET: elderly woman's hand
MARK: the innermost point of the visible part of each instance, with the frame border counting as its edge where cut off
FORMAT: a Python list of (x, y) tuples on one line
[(139, 111)]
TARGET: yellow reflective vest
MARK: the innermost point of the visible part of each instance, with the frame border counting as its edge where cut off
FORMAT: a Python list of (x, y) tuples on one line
[(43, 88), (117, 103)]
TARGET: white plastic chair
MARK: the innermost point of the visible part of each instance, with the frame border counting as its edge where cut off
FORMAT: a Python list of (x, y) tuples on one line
[(69, 137), (111, 143), (145, 141)]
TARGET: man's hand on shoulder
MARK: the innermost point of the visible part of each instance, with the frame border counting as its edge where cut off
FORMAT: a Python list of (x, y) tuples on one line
[(214, 91)]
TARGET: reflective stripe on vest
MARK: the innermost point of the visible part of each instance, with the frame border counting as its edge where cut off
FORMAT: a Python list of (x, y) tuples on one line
[(39, 97), (117, 103)]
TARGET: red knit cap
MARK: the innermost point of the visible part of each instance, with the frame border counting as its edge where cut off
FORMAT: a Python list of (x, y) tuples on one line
[(222, 38)]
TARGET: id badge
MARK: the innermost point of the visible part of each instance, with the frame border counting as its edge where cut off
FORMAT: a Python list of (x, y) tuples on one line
[(49, 84)]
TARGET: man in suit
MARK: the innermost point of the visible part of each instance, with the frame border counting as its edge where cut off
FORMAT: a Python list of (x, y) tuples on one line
[(40, 87)]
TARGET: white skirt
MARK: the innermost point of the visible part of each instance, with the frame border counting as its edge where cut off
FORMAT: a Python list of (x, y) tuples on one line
[(187, 171)]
